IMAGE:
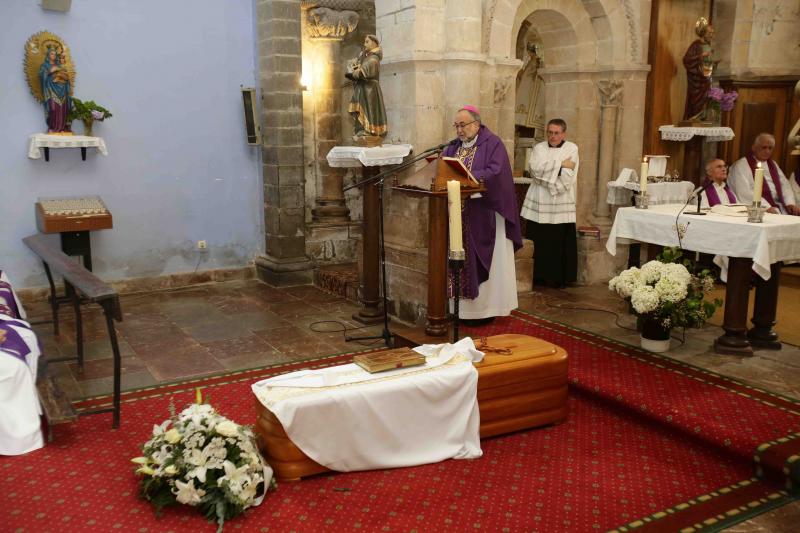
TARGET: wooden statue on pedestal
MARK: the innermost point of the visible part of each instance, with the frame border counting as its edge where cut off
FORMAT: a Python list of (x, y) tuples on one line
[(366, 105), (699, 69)]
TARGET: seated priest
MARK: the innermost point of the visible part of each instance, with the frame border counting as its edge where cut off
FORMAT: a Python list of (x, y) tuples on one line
[(776, 188), (490, 221), (716, 183), (20, 430)]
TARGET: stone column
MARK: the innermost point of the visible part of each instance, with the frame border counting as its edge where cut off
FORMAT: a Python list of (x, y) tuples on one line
[(327, 28), (285, 261), (610, 97), (326, 97)]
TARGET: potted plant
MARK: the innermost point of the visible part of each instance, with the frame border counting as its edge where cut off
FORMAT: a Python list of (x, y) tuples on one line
[(87, 112), (665, 294)]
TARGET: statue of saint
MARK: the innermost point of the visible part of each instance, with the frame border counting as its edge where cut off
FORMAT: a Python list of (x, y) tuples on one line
[(529, 108), (366, 105), (55, 91), (699, 68)]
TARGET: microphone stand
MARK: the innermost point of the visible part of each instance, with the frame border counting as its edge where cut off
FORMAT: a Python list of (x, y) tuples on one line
[(699, 201), (378, 179)]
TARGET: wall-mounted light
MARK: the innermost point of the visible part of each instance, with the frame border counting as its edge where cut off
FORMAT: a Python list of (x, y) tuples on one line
[(305, 80)]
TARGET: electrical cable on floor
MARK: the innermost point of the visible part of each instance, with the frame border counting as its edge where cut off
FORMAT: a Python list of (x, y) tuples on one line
[(344, 329), (617, 317)]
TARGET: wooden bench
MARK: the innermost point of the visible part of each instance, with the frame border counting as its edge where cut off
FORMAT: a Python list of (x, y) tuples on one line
[(81, 287)]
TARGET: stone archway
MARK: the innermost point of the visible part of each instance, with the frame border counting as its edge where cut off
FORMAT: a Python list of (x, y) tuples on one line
[(594, 79)]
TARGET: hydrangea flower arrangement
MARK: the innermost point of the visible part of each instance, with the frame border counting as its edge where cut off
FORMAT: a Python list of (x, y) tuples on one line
[(724, 101), (667, 291), (202, 459)]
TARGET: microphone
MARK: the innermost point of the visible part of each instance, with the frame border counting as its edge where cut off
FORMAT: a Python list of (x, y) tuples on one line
[(443, 145), (700, 189), (696, 194)]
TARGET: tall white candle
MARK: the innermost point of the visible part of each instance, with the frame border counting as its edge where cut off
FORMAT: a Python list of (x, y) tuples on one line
[(454, 210), (758, 186), (643, 176)]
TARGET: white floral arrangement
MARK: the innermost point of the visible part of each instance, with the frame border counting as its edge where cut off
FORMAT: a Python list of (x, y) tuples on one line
[(202, 459), (667, 292)]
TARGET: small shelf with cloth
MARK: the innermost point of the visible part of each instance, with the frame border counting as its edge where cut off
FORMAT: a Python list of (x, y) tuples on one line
[(42, 142)]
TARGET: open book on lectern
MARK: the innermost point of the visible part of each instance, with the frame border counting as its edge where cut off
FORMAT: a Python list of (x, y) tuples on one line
[(435, 175)]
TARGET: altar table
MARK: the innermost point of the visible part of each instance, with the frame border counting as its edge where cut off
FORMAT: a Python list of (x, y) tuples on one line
[(757, 247)]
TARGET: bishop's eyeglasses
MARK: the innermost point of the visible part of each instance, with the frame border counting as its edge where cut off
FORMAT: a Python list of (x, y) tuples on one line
[(462, 125)]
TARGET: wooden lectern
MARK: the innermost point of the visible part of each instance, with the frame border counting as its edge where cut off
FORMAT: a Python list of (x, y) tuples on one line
[(431, 182)]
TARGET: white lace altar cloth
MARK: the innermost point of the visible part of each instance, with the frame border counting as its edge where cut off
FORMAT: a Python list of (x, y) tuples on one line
[(44, 140), (376, 156), (682, 134), (347, 419)]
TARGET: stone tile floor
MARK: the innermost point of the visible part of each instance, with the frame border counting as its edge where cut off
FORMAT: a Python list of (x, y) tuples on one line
[(208, 329)]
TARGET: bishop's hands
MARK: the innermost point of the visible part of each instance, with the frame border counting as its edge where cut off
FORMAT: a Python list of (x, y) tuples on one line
[(793, 210)]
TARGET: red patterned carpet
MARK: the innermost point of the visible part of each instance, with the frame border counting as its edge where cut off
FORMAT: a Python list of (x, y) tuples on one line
[(649, 444)]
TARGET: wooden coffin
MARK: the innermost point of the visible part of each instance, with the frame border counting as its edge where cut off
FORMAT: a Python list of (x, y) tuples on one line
[(524, 389)]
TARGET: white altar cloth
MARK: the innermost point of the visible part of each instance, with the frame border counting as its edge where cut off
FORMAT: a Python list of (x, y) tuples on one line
[(682, 134), (44, 140), (365, 421), (777, 238), (665, 192), (356, 156)]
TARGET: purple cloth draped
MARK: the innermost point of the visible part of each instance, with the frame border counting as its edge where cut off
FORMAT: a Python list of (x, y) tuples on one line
[(776, 180), (713, 198), (14, 345), (492, 166), (7, 299)]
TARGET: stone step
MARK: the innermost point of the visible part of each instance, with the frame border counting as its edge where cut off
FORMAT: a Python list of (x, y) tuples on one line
[(341, 280)]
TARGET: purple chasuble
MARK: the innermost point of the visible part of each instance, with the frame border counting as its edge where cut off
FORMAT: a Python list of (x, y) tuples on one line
[(14, 345), (490, 165), (713, 198)]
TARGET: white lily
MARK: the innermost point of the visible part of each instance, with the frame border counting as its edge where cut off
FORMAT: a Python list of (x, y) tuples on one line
[(234, 476), (186, 493), (203, 461)]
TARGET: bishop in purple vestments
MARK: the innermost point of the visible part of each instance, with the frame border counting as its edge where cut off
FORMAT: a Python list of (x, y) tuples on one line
[(485, 155)]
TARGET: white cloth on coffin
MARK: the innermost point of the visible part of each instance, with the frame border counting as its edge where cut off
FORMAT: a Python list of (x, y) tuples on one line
[(419, 416)]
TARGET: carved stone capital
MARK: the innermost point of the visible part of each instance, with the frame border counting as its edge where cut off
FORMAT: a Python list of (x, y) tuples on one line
[(324, 22), (501, 87), (610, 92)]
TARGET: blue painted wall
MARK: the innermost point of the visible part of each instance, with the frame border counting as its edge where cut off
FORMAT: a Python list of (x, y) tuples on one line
[(178, 168)]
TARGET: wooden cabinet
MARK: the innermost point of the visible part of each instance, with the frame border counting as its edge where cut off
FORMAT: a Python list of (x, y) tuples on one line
[(762, 106)]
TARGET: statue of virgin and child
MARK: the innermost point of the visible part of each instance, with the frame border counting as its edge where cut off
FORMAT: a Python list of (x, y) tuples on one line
[(55, 82)]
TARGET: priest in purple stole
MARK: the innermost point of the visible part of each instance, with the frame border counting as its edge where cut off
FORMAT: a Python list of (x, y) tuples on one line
[(716, 188), (490, 221), (776, 190)]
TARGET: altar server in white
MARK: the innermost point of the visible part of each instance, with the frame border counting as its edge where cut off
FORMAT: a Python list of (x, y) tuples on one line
[(777, 190), (550, 207)]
